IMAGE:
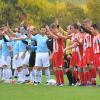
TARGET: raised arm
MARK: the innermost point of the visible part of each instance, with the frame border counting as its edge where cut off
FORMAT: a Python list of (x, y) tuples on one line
[(62, 36), (10, 31), (62, 30), (21, 38), (10, 36), (6, 32), (75, 44)]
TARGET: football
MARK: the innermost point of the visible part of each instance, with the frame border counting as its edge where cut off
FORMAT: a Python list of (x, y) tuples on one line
[(52, 82)]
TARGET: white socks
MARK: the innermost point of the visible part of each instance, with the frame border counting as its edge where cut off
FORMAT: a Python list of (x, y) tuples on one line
[(39, 76), (47, 73), (33, 76), (21, 77), (36, 76), (7, 74), (15, 73), (26, 73)]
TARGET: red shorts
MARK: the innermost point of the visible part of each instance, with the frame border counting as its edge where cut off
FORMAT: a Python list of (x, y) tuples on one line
[(81, 63), (97, 60), (74, 60), (88, 58), (58, 59)]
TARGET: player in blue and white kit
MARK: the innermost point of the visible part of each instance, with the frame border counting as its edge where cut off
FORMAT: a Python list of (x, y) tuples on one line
[(6, 60), (42, 52), (22, 53)]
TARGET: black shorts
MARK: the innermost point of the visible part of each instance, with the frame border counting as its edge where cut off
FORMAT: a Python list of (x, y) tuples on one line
[(32, 59), (50, 44)]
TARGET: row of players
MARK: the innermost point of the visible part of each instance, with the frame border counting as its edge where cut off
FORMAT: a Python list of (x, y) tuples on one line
[(48, 44)]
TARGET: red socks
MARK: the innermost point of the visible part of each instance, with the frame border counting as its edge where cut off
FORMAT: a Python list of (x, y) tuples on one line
[(93, 76), (59, 76), (87, 77), (82, 78), (75, 75), (62, 76)]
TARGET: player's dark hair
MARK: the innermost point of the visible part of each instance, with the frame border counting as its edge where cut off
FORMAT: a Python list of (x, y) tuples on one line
[(53, 25), (95, 26), (76, 26), (25, 27), (42, 26)]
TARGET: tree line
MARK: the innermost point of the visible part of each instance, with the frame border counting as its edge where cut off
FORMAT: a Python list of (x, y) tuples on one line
[(39, 12)]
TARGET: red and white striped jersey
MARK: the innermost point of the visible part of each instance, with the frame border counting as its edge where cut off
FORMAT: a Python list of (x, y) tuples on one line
[(74, 37), (96, 44), (58, 45), (88, 41), (55, 45)]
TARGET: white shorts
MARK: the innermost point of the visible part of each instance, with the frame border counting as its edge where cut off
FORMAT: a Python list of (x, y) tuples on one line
[(15, 62), (26, 59), (21, 59), (42, 60), (6, 60)]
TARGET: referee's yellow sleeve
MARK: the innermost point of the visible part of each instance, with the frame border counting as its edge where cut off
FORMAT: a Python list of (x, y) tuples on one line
[(64, 32)]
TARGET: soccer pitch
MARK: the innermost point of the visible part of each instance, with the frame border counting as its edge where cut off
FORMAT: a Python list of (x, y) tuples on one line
[(42, 92)]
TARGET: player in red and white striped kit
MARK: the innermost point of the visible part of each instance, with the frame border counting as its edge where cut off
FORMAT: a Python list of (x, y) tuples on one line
[(96, 49)]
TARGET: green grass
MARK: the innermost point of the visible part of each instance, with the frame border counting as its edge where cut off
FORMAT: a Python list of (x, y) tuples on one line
[(42, 92)]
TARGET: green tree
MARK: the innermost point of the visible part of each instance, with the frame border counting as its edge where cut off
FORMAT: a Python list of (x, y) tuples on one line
[(94, 10)]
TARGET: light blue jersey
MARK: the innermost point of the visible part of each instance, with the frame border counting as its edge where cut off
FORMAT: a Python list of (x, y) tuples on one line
[(41, 43), (5, 49), (16, 45), (22, 46)]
